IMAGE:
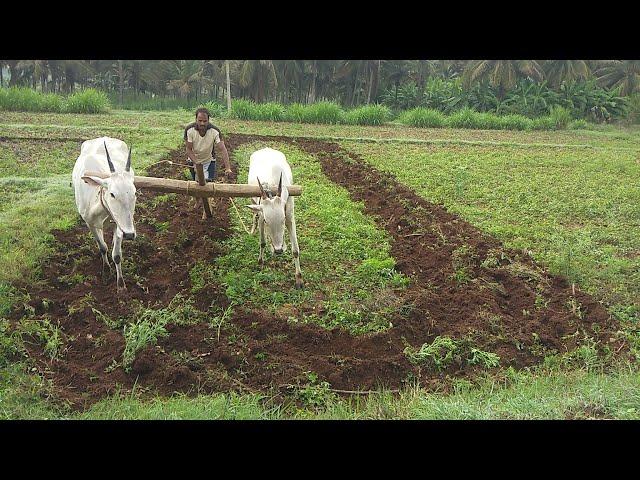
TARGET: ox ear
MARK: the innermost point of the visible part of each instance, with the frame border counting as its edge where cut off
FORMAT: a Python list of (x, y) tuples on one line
[(255, 208), (284, 194), (97, 181)]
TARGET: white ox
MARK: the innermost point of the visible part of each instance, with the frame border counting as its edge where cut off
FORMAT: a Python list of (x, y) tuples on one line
[(100, 198), (269, 169)]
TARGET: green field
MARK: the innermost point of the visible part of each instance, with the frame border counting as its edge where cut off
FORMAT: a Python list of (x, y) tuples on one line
[(572, 198)]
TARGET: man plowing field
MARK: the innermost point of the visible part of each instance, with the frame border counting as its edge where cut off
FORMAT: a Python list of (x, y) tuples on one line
[(201, 138)]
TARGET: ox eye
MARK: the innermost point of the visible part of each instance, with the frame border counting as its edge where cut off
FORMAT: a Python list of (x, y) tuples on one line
[(113, 195)]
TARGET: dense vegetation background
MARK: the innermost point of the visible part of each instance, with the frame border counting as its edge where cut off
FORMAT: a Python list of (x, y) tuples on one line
[(594, 90)]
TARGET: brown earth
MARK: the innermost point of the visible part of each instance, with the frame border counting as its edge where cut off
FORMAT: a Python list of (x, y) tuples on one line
[(507, 305)]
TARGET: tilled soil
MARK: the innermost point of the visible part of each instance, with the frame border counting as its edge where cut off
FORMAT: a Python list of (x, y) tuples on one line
[(464, 284)]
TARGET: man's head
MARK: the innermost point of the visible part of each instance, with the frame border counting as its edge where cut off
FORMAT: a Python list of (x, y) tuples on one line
[(202, 118)]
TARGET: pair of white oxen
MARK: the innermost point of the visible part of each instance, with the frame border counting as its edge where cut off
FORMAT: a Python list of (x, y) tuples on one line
[(114, 197)]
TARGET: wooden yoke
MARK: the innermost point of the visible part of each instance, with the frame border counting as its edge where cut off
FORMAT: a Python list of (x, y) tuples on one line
[(201, 181), (184, 187)]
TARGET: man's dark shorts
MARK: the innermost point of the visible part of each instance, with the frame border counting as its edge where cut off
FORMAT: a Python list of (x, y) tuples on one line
[(211, 171)]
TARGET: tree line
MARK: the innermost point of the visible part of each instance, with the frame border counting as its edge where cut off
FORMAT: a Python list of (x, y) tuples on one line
[(348, 82)]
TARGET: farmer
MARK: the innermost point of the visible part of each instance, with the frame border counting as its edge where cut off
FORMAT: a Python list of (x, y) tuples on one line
[(201, 138)]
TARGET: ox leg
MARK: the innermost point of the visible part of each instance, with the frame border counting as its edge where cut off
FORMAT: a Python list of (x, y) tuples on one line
[(290, 223), (262, 240), (254, 224), (116, 254), (256, 215), (98, 235)]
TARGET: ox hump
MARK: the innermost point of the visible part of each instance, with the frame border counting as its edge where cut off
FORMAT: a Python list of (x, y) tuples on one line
[(95, 146)]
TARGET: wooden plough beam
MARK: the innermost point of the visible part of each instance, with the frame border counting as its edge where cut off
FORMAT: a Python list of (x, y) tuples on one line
[(188, 187)]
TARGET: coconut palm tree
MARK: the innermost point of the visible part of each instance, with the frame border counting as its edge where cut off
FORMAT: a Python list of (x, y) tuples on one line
[(228, 78), (34, 70), (326, 81), (449, 69), (348, 76), (74, 71), (558, 71), (374, 79), (623, 74), (258, 76), (501, 74), (394, 72), (185, 76), (14, 73), (152, 77)]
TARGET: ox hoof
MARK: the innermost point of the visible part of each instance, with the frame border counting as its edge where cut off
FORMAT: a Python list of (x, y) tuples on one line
[(121, 286), (299, 284)]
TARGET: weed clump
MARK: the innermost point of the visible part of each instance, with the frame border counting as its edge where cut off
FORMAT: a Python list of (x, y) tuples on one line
[(444, 351), (149, 325), (140, 334), (439, 353)]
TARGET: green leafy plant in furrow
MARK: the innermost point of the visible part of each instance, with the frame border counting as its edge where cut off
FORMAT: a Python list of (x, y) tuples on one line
[(149, 324)]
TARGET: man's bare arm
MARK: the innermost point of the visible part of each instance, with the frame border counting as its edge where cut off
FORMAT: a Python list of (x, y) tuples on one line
[(190, 153), (225, 157)]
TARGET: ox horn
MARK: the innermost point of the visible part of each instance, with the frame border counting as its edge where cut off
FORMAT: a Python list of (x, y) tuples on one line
[(264, 195), (128, 167), (280, 185), (109, 159)]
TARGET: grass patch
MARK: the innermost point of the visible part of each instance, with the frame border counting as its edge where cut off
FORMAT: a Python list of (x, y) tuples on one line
[(23, 243), (467, 118), (87, 101), (26, 158), (28, 100), (423, 118), (511, 395), (368, 115), (576, 210), (321, 112), (24, 99)]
